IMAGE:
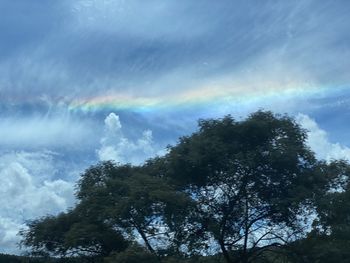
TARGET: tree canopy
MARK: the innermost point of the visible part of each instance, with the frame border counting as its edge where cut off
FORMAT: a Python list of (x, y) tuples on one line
[(240, 191)]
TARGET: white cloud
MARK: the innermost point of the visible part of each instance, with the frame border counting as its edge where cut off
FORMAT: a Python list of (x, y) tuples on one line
[(28, 190), (319, 142), (44, 131), (116, 146)]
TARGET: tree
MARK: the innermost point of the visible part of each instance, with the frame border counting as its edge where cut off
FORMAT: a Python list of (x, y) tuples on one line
[(250, 181), (329, 242), (115, 202), (72, 234), (128, 199), (234, 191)]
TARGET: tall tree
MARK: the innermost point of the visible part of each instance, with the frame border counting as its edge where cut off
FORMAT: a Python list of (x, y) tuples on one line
[(250, 180)]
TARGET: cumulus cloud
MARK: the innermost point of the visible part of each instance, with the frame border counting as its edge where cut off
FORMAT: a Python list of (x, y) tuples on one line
[(116, 146), (319, 142), (28, 190)]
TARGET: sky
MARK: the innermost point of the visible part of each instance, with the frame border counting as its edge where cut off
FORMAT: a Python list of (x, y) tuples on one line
[(90, 80)]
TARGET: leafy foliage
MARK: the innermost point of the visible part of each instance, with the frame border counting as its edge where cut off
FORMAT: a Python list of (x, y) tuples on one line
[(72, 234), (236, 191), (249, 180)]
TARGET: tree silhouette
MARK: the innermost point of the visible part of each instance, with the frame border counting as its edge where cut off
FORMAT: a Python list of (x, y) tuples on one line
[(243, 191)]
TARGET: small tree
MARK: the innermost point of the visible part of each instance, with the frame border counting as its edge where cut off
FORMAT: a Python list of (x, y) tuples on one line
[(137, 204), (72, 234), (329, 242), (116, 205)]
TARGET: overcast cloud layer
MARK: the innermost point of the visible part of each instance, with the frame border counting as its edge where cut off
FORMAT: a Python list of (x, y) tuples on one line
[(166, 63), (55, 51)]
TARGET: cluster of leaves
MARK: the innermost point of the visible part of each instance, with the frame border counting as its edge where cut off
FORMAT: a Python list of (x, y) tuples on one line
[(242, 191)]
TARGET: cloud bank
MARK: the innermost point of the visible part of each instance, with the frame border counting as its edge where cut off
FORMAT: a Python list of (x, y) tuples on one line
[(29, 190)]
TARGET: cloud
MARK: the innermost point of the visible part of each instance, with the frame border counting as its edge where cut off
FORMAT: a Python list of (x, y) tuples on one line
[(319, 142), (28, 190), (160, 46), (45, 131), (116, 146)]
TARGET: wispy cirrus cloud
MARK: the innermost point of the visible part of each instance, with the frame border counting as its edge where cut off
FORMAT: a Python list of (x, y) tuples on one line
[(104, 47)]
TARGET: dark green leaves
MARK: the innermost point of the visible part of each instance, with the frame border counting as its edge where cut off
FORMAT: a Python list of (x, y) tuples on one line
[(243, 190)]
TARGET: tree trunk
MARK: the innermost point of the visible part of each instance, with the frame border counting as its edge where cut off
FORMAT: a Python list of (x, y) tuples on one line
[(225, 252)]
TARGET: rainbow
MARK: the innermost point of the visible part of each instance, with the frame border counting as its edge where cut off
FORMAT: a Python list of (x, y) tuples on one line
[(208, 95)]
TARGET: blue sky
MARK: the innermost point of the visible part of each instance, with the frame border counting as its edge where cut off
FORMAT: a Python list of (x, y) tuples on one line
[(89, 80)]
